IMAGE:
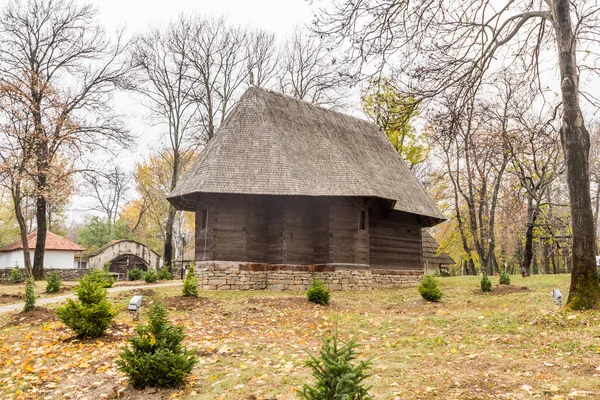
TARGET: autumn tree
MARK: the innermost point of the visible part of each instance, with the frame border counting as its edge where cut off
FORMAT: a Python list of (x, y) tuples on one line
[(59, 63), (537, 162), (145, 217), (393, 112), (473, 150), (441, 46)]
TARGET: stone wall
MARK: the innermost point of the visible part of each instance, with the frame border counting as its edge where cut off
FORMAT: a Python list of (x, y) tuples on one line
[(65, 274), (254, 276)]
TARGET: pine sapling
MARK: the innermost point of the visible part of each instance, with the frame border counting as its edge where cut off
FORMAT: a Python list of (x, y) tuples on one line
[(318, 293), (135, 274), (92, 314), (54, 282), (150, 276), (29, 295), (504, 278), (338, 376), (429, 289), (190, 285), (486, 284), (16, 276), (164, 274), (156, 357)]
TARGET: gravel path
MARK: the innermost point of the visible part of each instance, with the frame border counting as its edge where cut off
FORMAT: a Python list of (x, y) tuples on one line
[(59, 299)]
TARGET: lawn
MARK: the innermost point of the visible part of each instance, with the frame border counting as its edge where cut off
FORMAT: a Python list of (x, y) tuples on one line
[(252, 345)]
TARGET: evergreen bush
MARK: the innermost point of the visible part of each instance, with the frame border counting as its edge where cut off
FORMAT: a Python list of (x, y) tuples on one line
[(429, 289), (486, 284), (101, 277), (150, 276), (338, 377), (91, 315), (504, 279), (156, 357), (164, 274), (29, 295), (318, 293), (54, 282), (190, 285), (135, 274), (16, 276)]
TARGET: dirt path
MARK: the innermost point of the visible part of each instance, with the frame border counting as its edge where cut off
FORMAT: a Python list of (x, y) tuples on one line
[(59, 299)]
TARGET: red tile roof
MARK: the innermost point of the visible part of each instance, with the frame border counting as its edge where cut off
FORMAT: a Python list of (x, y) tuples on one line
[(53, 242)]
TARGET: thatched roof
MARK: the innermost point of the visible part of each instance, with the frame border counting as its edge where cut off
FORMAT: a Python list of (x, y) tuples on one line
[(430, 251), (271, 144)]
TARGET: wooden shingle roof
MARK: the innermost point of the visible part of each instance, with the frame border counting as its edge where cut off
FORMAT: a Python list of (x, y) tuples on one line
[(430, 251), (53, 242), (271, 144)]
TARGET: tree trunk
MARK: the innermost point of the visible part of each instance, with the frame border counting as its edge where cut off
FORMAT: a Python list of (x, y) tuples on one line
[(471, 266), (584, 292), (553, 261), (168, 249), (16, 196), (546, 258), (40, 244), (535, 266), (532, 213)]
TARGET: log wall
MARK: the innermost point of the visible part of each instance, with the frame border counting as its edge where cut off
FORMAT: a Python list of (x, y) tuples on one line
[(301, 230), (394, 240)]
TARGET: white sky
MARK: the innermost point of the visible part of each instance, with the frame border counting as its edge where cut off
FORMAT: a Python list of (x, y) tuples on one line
[(277, 16)]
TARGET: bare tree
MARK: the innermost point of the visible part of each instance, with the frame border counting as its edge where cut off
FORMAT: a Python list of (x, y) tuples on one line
[(168, 83), (59, 63), (474, 144), (537, 162), (263, 58), (310, 72), (441, 45), (218, 56), (109, 190), (15, 159)]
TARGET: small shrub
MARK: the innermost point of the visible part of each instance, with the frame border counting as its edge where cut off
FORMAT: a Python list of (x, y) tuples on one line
[(429, 289), (29, 295), (91, 315), (135, 274), (190, 285), (486, 284), (150, 276), (164, 274), (504, 279), (318, 293), (337, 376), (157, 358), (54, 282), (101, 277), (16, 276)]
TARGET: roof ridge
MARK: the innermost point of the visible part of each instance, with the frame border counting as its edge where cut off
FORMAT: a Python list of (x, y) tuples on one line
[(288, 97)]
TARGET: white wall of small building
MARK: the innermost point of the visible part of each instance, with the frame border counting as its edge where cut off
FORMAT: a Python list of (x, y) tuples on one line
[(52, 259)]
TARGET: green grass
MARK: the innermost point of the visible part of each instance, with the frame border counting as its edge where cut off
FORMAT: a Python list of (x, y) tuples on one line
[(469, 346)]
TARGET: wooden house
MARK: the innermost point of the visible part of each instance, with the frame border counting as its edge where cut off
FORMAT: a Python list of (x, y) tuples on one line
[(288, 184), (434, 260)]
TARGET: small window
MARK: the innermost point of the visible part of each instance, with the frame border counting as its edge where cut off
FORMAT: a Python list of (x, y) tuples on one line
[(204, 218), (362, 224)]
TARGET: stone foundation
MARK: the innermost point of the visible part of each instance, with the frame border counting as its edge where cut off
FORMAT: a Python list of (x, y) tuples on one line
[(215, 275), (65, 274)]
